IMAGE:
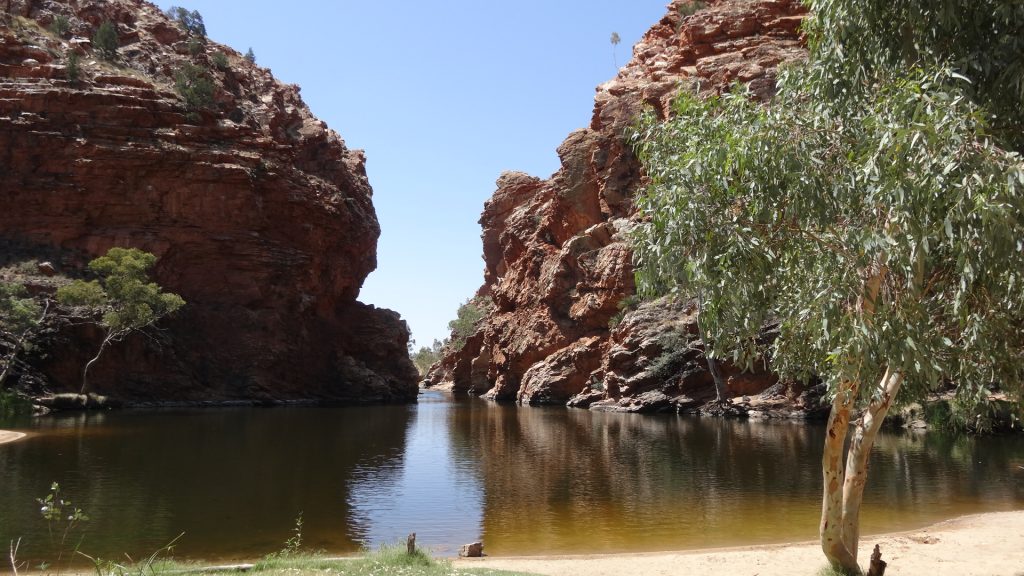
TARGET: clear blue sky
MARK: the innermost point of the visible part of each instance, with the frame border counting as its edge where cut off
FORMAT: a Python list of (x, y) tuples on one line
[(443, 96)]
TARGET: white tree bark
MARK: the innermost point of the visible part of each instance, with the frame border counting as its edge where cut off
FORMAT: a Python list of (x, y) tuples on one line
[(833, 474), (857, 458), (844, 486)]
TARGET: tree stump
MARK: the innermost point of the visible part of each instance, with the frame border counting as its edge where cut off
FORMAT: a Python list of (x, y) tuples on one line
[(877, 564), (410, 544)]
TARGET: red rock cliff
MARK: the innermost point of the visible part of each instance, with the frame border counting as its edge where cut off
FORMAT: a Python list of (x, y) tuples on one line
[(557, 262), (261, 217)]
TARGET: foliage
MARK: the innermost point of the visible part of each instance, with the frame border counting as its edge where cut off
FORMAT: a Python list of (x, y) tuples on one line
[(292, 545), (194, 85), (690, 8), (855, 41), (21, 318), (124, 295), (388, 560), (196, 46), (18, 310), (675, 352), (62, 519), (876, 210), (73, 69), (250, 56), (468, 316), (625, 306), (615, 42), (220, 60), (105, 41), (191, 21), (426, 357), (60, 25), (13, 404), (787, 212)]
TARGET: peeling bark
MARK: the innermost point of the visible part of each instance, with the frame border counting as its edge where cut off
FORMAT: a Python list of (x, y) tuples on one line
[(864, 435), (833, 474)]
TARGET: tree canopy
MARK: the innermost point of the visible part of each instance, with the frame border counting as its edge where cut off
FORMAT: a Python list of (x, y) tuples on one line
[(125, 297), (874, 210)]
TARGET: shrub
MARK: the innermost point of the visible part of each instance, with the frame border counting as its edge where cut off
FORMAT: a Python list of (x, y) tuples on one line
[(195, 46), (72, 69), (691, 7), (625, 306), (220, 60), (250, 56), (195, 87), (60, 25), (426, 357), (105, 41), (467, 318), (191, 21)]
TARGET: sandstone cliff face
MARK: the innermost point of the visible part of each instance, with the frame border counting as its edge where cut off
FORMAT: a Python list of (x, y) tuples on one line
[(261, 217), (557, 261)]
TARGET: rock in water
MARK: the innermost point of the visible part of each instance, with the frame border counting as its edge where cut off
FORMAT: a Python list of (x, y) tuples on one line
[(260, 215), (474, 550)]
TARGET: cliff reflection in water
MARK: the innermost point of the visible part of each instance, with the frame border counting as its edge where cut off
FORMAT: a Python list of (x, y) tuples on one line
[(233, 480), (526, 480), (567, 481)]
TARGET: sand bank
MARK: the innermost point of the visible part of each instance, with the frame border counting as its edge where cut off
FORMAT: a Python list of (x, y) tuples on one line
[(7, 436), (983, 545)]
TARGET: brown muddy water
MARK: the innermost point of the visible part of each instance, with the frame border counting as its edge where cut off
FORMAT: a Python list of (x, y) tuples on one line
[(523, 480)]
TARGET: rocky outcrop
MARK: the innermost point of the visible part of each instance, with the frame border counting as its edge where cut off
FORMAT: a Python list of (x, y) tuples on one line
[(557, 261), (261, 217)]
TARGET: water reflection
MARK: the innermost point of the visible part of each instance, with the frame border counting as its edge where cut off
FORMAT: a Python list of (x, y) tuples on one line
[(435, 493), (560, 481), (526, 480), (233, 480)]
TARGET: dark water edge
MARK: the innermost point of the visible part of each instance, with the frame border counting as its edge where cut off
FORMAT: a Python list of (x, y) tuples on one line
[(525, 480)]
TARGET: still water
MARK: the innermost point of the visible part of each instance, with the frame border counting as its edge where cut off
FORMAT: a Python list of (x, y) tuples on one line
[(524, 480)]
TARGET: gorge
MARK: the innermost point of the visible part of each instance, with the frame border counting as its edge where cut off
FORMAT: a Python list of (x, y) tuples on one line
[(558, 266)]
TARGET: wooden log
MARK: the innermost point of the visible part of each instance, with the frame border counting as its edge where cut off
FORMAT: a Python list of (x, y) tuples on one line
[(877, 564)]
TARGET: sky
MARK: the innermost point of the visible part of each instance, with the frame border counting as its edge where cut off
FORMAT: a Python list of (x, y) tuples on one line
[(443, 96)]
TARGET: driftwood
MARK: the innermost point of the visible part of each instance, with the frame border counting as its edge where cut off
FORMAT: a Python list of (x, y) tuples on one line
[(877, 564), (410, 544)]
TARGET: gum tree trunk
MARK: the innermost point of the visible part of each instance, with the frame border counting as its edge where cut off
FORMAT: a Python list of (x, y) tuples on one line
[(857, 459), (844, 486), (834, 477)]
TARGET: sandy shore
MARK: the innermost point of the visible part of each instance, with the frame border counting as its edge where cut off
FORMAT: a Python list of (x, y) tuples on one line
[(7, 436), (981, 545)]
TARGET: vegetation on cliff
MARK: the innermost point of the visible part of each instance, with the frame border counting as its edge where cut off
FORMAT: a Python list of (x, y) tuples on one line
[(122, 301), (875, 209), (124, 298)]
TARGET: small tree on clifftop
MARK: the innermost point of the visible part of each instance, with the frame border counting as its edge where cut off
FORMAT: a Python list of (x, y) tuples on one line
[(875, 210), (128, 301), (105, 41)]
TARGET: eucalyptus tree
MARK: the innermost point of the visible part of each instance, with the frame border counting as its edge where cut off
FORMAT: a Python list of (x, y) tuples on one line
[(21, 318), (615, 39), (874, 210), (127, 301)]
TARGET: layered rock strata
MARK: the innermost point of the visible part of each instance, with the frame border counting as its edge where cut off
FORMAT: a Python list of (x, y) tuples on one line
[(260, 215), (557, 262)]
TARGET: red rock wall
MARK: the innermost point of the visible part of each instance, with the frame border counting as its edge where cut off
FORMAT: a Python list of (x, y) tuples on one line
[(261, 217), (557, 262)]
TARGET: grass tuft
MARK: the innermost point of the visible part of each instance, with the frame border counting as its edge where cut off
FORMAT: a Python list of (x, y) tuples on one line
[(386, 561)]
